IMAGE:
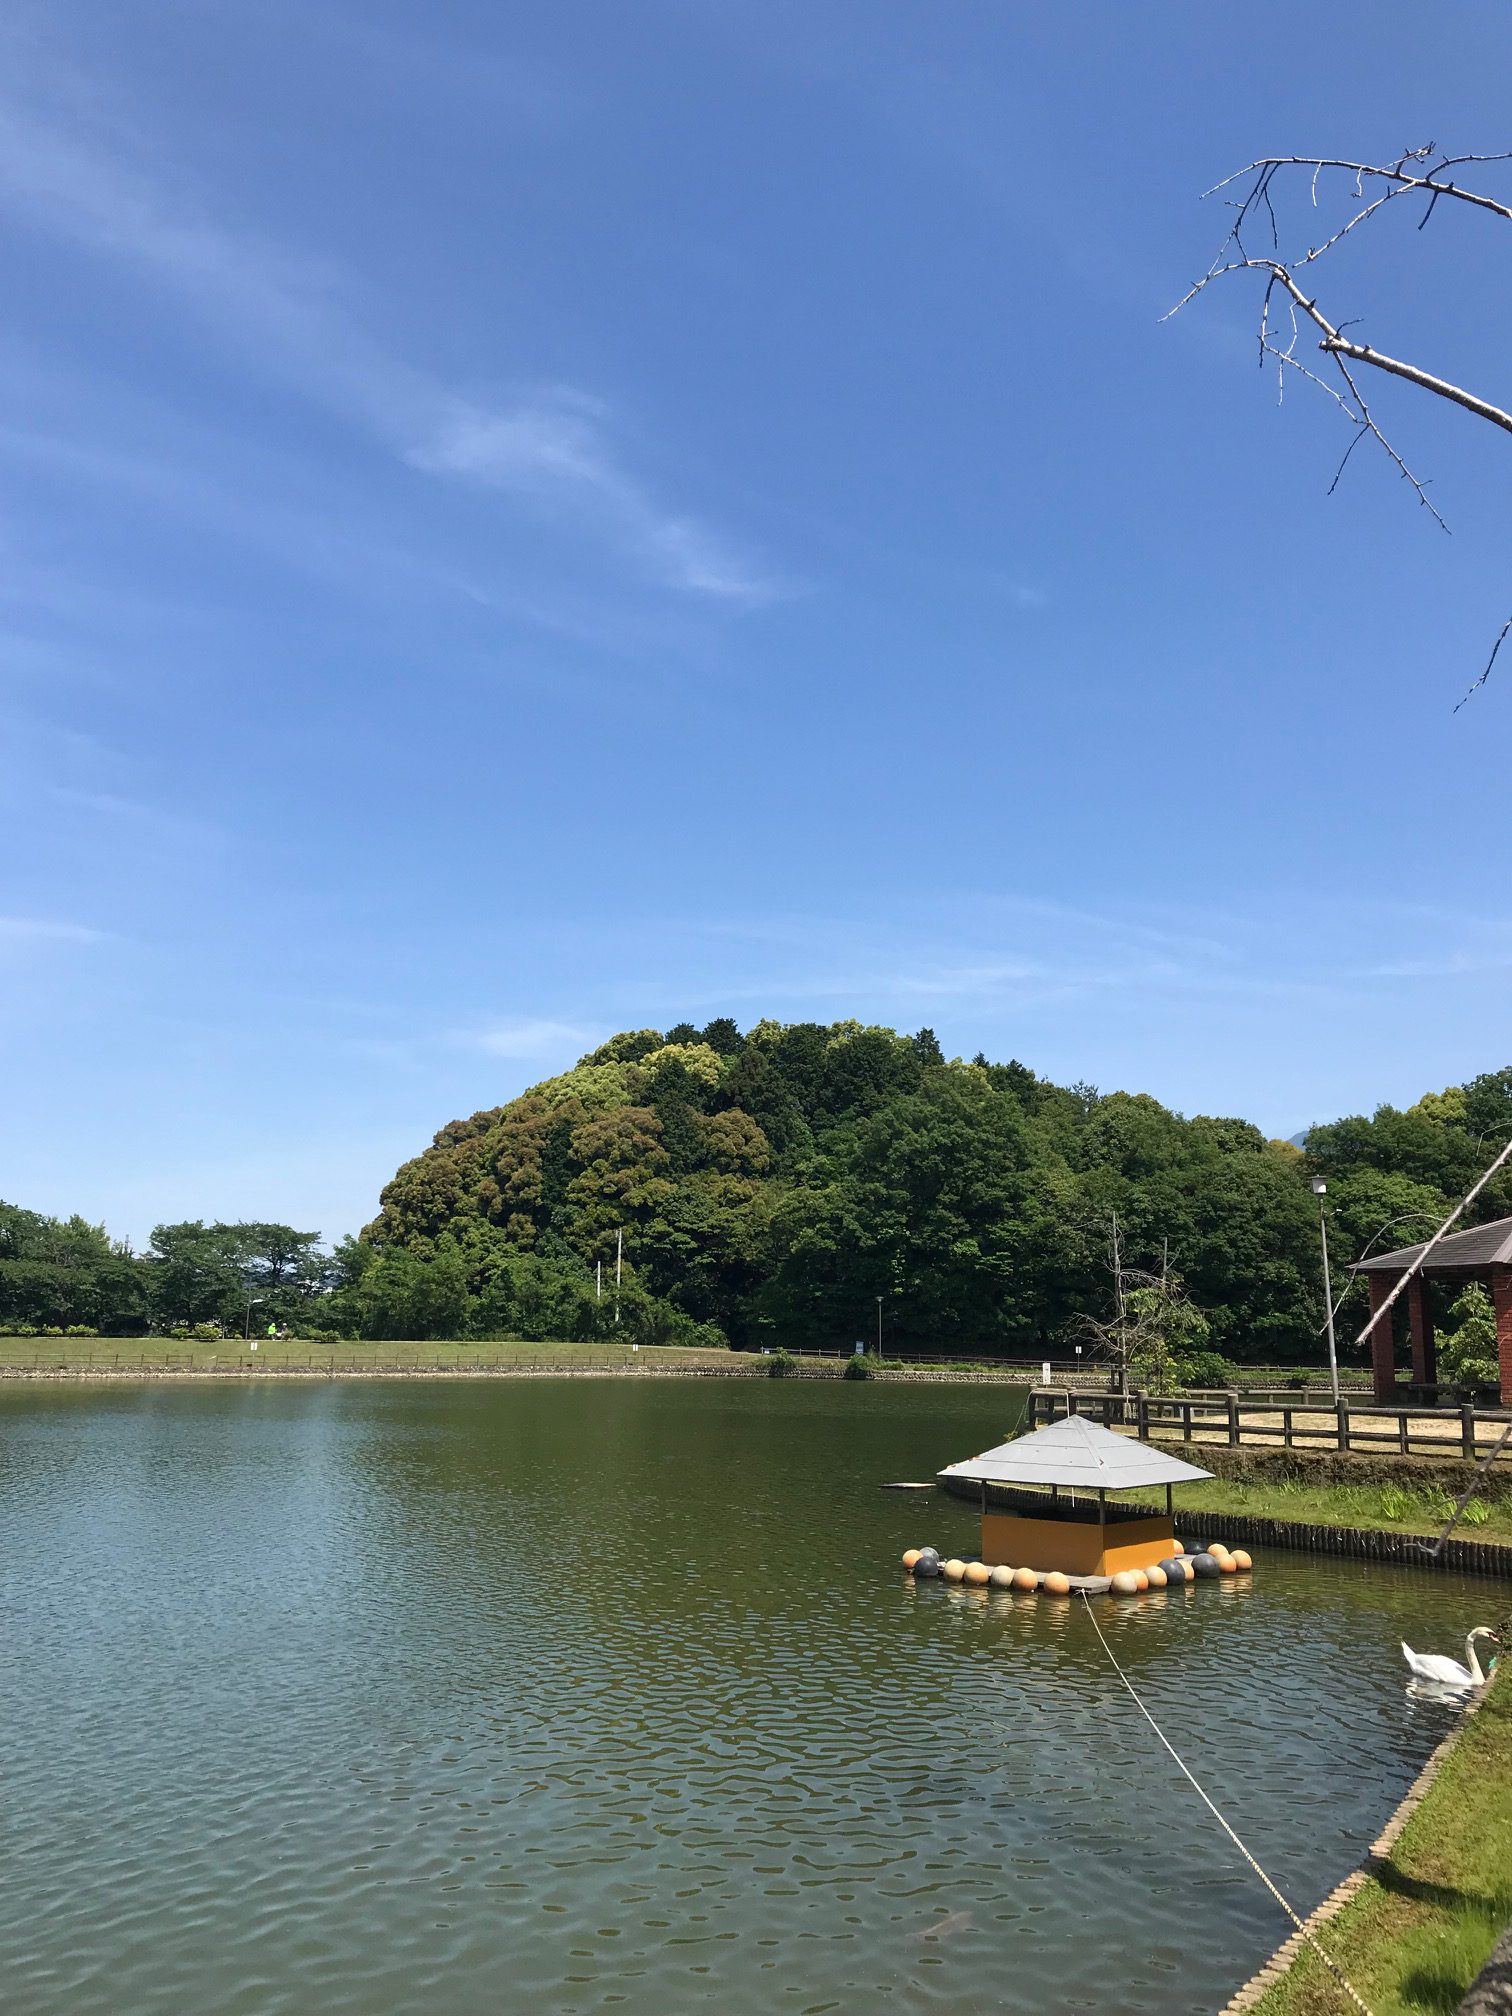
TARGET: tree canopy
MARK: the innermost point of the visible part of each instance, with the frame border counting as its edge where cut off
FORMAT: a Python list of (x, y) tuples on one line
[(775, 1184), (771, 1186)]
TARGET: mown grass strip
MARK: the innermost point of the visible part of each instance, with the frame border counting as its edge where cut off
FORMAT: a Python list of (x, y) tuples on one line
[(1427, 1916)]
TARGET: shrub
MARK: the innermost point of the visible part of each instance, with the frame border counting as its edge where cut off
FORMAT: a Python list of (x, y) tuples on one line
[(856, 1367), (1467, 1352), (1205, 1368), (780, 1364)]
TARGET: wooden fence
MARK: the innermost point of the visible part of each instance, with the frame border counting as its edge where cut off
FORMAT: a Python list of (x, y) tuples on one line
[(1374, 1427)]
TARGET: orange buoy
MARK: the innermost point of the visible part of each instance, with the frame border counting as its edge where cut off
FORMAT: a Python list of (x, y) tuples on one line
[(1001, 1577), (911, 1556), (1241, 1559), (1025, 1578), (1156, 1577), (1141, 1580), (1227, 1565), (1057, 1584), (978, 1574), (952, 1569), (1125, 1583), (1217, 1549)]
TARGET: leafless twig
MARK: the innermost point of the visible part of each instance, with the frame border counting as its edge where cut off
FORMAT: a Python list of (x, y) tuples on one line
[(1476, 684), (1420, 171)]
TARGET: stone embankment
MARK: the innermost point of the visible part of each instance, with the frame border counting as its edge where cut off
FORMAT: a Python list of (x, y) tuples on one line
[(1377, 1857), (742, 1365)]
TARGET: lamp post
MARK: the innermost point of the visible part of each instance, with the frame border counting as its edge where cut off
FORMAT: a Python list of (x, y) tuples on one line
[(252, 1302), (1320, 1191), (879, 1327)]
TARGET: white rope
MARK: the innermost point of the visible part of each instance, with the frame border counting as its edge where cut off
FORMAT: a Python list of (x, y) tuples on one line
[(1309, 1936)]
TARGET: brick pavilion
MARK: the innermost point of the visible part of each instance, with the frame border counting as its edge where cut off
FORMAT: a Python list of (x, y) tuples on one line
[(1482, 1254)]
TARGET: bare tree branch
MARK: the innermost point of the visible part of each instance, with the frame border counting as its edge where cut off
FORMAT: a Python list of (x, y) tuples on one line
[(1395, 172), (1420, 171), (1476, 684)]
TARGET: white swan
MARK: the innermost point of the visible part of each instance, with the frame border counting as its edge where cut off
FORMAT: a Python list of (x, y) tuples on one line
[(1449, 1672)]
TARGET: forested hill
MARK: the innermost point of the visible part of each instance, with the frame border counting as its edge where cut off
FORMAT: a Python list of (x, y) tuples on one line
[(774, 1184)]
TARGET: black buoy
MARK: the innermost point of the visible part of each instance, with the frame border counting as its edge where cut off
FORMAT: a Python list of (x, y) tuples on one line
[(1191, 1547), (928, 1562), (1173, 1569), (1205, 1567)]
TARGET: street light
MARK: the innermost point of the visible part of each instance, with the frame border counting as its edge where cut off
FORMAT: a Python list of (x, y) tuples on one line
[(1320, 1191), (879, 1326), (252, 1302)]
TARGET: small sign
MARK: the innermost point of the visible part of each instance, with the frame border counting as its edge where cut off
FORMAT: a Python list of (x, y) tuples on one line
[(1045, 1373), (254, 1343), (860, 1350)]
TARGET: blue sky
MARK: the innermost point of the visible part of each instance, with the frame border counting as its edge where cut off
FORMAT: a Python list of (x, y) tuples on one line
[(521, 522)]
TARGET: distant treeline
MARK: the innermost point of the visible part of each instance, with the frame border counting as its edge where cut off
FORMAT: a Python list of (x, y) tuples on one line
[(769, 1187)]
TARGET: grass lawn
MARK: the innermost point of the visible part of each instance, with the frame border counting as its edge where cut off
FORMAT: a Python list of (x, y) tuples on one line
[(1421, 1929), (109, 1353), (1394, 1508)]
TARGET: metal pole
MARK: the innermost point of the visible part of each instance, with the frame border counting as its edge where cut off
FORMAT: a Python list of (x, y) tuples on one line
[(1333, 1355), (879, 1326)]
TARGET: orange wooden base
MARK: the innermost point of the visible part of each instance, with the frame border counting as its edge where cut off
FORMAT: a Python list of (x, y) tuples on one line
[(1076, 1546)]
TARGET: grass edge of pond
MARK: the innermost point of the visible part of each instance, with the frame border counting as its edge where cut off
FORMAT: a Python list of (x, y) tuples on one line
[(1416, 1935)]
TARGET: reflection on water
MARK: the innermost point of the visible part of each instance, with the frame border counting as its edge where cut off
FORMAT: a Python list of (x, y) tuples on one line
[(569, 1696)]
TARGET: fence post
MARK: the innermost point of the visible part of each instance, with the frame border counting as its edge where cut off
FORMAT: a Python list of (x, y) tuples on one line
[(1467, 1431), (1286, 1425), (1071, 1401), (1344, 1425), (1186, 1420), (1142, 1416), (1402, 1449), (1233, 1419)]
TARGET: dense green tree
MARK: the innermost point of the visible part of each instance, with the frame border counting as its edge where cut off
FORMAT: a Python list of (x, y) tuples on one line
[(775, 1184)]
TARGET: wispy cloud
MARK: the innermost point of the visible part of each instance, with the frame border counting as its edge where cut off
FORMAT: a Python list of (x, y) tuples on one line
[(555, 450), (526, 1038), (82, 175), (19, 933)]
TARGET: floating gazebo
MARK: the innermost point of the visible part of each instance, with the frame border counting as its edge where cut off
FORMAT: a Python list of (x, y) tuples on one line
[(1074, 1530)]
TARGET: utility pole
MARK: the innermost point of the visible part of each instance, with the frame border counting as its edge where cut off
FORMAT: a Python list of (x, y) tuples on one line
[(619, 1264), (879, 1326), (598, 1280), (1320, 1191)]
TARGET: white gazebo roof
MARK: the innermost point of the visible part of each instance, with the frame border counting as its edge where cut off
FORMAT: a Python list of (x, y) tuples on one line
[(1077, 1454)]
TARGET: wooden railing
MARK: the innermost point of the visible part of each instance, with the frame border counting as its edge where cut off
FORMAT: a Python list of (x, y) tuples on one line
[(1370, 1426)]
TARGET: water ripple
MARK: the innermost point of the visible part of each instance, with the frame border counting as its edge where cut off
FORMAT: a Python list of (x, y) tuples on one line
[(569, 1697)]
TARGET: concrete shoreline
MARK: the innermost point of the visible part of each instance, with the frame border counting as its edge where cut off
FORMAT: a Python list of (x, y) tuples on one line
[(1378, 1853)]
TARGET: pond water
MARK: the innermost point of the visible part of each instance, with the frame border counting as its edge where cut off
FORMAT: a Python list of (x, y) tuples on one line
[(570, 1696)]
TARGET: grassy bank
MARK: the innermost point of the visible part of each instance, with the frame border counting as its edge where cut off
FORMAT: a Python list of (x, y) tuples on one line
[(1388, 1507), (1422, 1927), (85, 1354)]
